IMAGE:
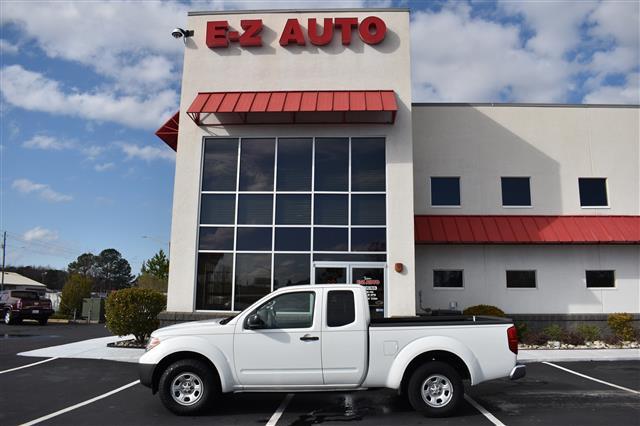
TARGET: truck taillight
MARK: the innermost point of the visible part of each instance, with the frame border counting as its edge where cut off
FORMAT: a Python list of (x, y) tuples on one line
[(512, 337)]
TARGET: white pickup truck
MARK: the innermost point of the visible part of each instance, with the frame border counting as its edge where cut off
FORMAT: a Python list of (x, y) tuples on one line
[(321, 338)]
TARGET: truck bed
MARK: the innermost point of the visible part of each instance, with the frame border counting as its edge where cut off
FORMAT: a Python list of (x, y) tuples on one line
[(419, 321)]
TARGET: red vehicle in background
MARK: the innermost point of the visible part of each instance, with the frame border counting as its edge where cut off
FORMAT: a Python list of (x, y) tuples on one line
[(17, 305)]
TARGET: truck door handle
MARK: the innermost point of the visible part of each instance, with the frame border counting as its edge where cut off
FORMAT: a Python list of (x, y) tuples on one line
[(307, 338)]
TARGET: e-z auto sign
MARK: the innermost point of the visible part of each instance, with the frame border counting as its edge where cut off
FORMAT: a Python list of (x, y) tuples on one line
[(371, 30)]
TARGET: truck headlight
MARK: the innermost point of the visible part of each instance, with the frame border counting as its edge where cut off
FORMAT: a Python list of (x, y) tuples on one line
[(153, 342)]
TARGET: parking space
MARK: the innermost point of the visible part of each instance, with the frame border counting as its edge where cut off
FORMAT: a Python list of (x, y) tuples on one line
[(548, 395)]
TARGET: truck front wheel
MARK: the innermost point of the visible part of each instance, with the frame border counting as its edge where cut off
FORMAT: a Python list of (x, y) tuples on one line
[(435, 389), (187, 386)]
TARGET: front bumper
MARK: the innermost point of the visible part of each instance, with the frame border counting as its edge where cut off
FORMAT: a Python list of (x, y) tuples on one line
[(518, 372), (145, 371)]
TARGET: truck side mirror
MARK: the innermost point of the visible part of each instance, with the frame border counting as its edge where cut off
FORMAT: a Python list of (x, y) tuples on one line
[(254, 322)]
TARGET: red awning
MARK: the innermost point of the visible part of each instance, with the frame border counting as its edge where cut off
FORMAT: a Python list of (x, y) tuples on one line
[(300, 107), (527, 229), (169, 131)]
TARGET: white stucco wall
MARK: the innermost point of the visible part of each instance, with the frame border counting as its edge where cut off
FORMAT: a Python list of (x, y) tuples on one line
[(273, 67), (560, 274), (552, 145)]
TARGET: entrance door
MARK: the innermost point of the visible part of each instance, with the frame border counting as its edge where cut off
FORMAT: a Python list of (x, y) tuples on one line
[(370, 275)]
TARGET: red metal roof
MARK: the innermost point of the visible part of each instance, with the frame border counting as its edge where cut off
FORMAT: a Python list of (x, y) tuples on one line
[(287, 107), (527, 229), (169, 131)]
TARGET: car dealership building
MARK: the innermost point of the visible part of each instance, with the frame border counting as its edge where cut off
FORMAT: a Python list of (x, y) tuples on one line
[(301, 159)]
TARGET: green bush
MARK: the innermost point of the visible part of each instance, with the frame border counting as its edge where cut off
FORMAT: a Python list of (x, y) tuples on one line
[(484, 310), (554, 332), (621, 326), (75, 289), (134, 311), (590, 333), (523, 330)]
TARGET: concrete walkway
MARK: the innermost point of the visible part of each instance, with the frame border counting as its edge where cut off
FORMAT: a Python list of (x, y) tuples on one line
[(559, 355), (90, 349)]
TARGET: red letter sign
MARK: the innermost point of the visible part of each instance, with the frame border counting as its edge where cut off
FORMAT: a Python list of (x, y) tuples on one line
[(372, 30), (217, 34), (346, 24), (292, 33), (327, 32), (250, 36)]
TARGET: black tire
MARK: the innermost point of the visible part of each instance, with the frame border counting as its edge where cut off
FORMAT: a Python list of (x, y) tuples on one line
[(447, 387), (43, 321), (7, 317), (202, 377)]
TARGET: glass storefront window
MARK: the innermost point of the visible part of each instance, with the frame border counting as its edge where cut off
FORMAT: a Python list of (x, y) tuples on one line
[(214, 281), (220, 164), (253, 278), (271, 207)]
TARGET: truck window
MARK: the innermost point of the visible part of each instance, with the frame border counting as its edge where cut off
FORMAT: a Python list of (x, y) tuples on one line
[(290, 310), (341, 308), (25, 295)]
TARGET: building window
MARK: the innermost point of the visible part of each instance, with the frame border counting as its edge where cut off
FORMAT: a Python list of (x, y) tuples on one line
[(593, 192), (445, 191), (600, 279), (516, 192), (521, 279), (270, 207), (448, 278)]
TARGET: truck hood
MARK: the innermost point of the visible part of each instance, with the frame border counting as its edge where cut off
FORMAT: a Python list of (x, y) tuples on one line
[(212, 326)]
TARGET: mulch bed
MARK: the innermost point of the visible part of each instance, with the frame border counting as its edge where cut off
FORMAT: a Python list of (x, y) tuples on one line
[(126, 344)]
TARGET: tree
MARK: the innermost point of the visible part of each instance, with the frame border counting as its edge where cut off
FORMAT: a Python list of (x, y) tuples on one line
[(147, 280), (109, 270), (158, 265), (84, 265), (75, 289), (113, 271)]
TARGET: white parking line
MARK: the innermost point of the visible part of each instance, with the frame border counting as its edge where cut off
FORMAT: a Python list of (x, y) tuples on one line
[(278, 413), (592, 378), (28, 365), (81, 404), (484, 411)]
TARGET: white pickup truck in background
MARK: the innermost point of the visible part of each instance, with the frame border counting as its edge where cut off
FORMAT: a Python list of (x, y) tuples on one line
[(321, 338)]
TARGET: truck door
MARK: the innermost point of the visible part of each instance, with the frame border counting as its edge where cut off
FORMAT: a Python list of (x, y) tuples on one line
[(279, 343), (344, 338)]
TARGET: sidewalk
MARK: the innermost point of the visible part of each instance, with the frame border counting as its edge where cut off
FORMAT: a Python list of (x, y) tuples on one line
[(539, 355), (91, 349)]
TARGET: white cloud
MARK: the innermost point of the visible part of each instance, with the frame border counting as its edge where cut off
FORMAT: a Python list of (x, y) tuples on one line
[(47, 143), (7, 47), (44, 191), (629, 93), (33, 91), (40, 234), (103, 167), (460, 58), (147, 153)]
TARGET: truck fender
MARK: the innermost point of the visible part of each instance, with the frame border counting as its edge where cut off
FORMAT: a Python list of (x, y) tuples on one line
[(428, 344), (199, 346)]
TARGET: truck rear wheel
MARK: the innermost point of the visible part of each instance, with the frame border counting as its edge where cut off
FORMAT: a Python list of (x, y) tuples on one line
[(8, 317), (187, 386), (435, 389)]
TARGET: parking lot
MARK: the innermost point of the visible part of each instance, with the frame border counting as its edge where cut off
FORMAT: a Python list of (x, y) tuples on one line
[(65, 388)]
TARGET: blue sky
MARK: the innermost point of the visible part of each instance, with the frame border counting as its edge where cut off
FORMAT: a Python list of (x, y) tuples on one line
[(81, 169)]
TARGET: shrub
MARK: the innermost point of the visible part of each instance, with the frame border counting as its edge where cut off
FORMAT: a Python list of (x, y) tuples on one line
[(536, 338), (484, 310), (554, 332), (134, 311), (611, 340), (573, 338), (75, 289), (523, 330), (590, 333), (621, 325)]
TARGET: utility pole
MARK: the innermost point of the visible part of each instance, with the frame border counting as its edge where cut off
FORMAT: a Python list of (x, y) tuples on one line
[(4, 251)]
